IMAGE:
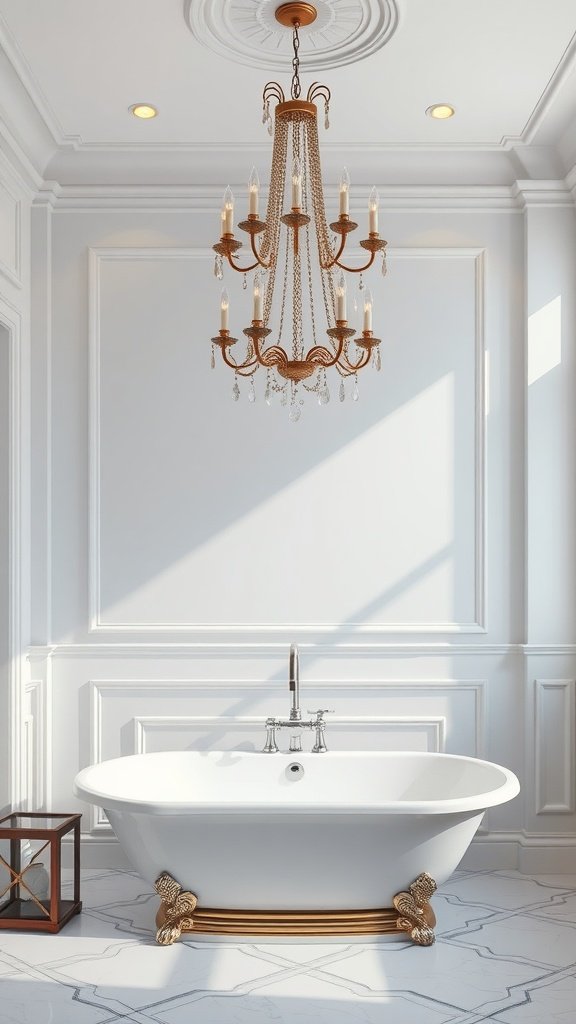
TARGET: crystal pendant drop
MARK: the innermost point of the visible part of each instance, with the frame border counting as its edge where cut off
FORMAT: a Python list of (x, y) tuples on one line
[(295, 413), (324, 395), (384, 267), (355, 392), (342, 390), (244, 283), (212, 359), (268, 395), (284, 398), (235, 391), (251, 392), (378, 360), (215, 266), (218, 268), (326, 116)]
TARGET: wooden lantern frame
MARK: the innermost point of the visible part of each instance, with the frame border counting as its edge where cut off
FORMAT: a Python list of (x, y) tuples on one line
[(35, 914)]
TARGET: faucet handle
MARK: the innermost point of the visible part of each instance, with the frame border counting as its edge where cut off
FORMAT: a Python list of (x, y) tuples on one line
[(321, 712)]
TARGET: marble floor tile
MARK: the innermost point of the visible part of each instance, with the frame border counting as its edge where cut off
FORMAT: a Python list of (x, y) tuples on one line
[(522, 939), (505, 890), (455, 977), (302, 1000), (505, 954)]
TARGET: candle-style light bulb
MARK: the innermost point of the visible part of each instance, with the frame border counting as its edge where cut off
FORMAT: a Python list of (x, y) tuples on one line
[(367, 325), (373, 204), (258, 306), (341, 298), (253, 187), (228, 211), (224, 307), (296, 184), (344, 192)]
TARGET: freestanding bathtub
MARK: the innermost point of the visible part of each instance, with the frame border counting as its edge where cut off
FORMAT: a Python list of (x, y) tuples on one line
[(291, 832)]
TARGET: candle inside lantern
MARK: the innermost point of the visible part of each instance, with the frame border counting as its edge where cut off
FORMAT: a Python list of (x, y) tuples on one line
[(341, 298), (296, 184), (344, 192), (228, 211), (253, 186), (258, 306), (367, 326), (373, 212), (224, 307)]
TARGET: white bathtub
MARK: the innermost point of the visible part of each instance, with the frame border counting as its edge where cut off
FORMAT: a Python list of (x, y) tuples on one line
[(242, 830)]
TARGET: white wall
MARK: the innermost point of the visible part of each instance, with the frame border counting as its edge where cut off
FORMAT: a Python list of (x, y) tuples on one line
[(15, 200), (381, 535), (4, 572)]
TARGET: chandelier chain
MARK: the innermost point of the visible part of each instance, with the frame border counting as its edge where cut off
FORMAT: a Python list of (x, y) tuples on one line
[(295, 91)]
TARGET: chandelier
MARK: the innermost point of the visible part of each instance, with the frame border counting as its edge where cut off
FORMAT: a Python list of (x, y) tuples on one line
[(297, 259)]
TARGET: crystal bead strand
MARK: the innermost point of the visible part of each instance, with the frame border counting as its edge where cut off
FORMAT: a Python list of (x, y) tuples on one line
[(212, 359), (342, 390), (355, 392), (235, 389), (251, 391)]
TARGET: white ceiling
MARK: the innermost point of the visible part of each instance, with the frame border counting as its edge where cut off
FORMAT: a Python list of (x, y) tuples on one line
[(504, 66)]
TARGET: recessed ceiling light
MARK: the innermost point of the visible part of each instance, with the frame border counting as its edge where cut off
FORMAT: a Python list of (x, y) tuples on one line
[(143, 110), (440, 111)]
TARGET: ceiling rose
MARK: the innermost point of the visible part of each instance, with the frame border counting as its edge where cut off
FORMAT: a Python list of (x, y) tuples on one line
[(247, 31)]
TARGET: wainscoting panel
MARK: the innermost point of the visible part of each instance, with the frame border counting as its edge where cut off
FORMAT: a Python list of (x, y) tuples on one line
[(555, 743)]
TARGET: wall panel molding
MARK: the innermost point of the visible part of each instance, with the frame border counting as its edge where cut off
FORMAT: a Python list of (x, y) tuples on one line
[(554, 741), (36, 753), (432, 729), (228, 631), (10, 235)]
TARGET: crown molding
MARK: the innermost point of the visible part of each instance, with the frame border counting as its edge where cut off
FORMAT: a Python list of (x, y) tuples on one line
[(208, 198), (571, 181), (549, 97), (543, 193)]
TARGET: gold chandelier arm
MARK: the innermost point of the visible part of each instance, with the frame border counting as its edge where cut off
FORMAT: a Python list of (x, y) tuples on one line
[(355, 270), (245, 270), (237, 366), (261, 262), (273, 356), (345, 364), (334, 261), (321, 355)]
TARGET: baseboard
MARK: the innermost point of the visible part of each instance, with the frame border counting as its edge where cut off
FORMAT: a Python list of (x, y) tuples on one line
[(492, 851)]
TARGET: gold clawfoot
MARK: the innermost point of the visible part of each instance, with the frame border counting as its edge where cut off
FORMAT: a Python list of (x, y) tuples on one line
[(415, 915), (176, 910)]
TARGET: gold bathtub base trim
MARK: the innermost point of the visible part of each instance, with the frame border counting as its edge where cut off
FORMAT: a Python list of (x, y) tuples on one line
[(179, 913)]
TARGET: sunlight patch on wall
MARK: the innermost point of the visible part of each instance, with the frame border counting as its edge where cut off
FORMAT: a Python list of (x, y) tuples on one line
[(544, 339), (368, 534)]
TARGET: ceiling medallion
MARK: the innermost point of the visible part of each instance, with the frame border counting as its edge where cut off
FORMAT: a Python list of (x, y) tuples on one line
[(248, 32), (297, 259)]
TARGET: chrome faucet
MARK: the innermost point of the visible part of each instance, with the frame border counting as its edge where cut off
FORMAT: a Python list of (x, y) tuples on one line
[(295, 722), (294, 684)]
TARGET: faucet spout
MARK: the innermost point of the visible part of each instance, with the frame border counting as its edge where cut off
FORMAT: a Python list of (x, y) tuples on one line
[(294, 684)]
